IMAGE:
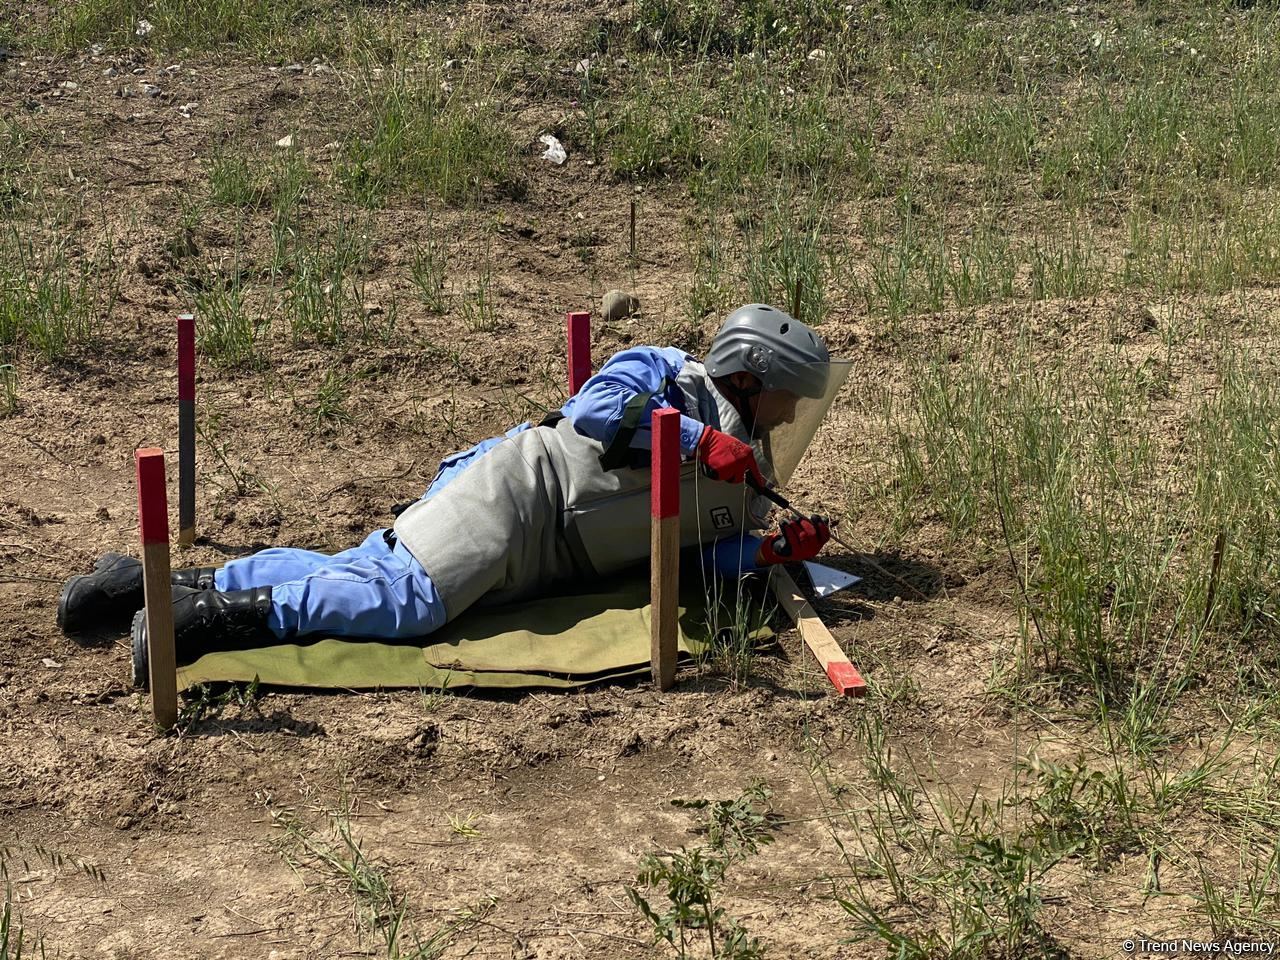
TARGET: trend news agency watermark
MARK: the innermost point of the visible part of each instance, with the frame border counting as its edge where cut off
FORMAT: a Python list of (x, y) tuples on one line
[(1186, 946)]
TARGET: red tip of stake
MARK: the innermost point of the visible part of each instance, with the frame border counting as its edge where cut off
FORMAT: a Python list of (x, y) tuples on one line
[(186, 357), (153, 510), (665, 499), (579, 328), (846, 679)]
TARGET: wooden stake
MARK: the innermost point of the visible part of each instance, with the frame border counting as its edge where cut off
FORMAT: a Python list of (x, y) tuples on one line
[(664, 546), (579, 329), (843, 675), (186, 430), (633, 230), (153, 527)]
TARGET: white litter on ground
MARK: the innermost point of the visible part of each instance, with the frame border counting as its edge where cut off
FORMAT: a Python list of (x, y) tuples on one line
[(555, 151), (827, 580)]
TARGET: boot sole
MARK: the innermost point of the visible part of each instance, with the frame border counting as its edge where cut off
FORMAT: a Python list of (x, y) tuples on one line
[(141, 674), (63, 597)]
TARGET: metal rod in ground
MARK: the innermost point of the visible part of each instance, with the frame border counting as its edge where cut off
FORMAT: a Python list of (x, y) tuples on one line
[(633, 230), (186, 430), (579, 331), (153, 528), (664, 545)]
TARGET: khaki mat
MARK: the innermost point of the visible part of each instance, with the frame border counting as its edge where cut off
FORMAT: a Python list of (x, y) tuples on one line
[(556, 642)]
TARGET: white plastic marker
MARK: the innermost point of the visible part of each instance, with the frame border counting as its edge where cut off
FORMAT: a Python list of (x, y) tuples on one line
[(827, 580)]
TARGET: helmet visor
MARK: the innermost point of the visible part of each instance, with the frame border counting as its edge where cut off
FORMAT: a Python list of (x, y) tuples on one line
[(786, 423)]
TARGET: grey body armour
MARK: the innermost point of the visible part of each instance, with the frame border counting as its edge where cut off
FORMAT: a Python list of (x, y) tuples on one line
[(538, 508)]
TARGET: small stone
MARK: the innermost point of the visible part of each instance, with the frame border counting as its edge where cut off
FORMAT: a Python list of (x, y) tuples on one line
[(618, 305), (151, 90), (294, 68), (817, 54), (54, 664), (187, 108), (770, 756), (95, 50), (139, 71), (285, 142), (110, 72), (69, 86)]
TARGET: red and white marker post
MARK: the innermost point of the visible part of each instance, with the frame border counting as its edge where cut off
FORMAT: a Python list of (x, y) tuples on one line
[(578, 323), (186, 430), (664, 547), (153, 527)]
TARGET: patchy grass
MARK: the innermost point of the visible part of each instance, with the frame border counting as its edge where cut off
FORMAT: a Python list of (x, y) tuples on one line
[(333, 854), (427, 130), (52, 302), (296, 29)]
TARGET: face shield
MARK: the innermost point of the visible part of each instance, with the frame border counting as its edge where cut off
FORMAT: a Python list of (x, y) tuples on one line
[(788, 419)]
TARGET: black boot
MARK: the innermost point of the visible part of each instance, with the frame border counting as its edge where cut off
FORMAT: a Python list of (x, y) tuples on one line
[(102, 598), (197, 578), (113, 592), (205, 621)]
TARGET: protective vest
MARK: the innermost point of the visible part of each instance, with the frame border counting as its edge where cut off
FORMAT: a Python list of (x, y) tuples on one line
[(540, 508)]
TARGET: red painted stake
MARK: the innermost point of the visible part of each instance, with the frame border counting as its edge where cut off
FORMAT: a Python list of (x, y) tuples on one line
[(579, 328), (153, 528), (664, 545), (186, 430)]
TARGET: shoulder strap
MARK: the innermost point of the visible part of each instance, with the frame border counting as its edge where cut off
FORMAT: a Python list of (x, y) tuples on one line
[(618, 452)]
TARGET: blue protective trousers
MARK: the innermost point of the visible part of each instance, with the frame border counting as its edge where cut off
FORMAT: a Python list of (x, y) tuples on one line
[(374, 590)]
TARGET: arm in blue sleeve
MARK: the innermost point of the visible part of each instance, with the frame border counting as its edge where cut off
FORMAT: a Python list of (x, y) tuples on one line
[(596, 411), (733, 556)]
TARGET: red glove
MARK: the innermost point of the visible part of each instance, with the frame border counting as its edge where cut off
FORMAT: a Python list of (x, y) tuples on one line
[(728, 458), (799, 540)]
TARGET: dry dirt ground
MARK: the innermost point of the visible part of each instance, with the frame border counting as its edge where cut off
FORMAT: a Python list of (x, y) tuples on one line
[(517, 820)]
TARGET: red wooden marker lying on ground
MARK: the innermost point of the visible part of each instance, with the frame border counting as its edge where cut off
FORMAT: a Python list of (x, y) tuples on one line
[(153, 527)]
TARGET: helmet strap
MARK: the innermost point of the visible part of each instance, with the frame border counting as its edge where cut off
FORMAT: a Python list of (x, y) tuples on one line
[(740, 397)]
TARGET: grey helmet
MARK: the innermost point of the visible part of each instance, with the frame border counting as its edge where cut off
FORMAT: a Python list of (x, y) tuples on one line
[(782, 352)]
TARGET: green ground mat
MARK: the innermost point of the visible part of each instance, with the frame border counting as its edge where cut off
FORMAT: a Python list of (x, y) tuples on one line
[(555, 642)]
